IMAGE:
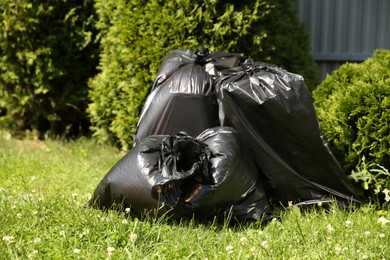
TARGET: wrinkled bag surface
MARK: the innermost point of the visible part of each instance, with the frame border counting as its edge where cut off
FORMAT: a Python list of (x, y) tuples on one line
[(273, 112), (184, 176), (183, 96)]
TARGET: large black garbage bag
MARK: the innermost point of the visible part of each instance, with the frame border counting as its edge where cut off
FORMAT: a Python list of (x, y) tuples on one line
[(272, 110), (185, 176), (183, 96)]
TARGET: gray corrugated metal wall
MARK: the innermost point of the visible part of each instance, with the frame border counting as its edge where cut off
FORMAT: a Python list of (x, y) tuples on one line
[(345, 30)]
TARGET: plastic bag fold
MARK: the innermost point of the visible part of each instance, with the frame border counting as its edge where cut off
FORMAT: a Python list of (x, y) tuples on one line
[(184, 176), (183, 94), (273, 112)]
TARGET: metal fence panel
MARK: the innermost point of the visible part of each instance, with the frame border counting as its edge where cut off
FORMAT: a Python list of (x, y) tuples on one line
[(345, 30)]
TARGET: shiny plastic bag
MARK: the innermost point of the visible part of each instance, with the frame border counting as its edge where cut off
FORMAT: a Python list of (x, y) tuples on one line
[(183, 96), (273, 112), (185, 176), (212, 62)]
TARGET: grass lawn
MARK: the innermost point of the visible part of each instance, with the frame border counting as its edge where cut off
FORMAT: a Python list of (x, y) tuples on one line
[(45, 185)]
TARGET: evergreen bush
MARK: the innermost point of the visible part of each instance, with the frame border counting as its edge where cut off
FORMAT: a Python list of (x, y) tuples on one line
[(136, 35), (48, 50), (353, 106)]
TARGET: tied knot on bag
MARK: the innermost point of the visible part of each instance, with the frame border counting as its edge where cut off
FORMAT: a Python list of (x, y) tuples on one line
[(202, 57)]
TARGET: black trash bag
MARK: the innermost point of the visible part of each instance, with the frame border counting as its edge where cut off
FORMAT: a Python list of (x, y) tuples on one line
[(185, 176), (130, 180), (272, 110), (210, 61), (183, 93)]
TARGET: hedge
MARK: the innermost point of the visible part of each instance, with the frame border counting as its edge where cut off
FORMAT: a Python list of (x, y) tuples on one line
[(48, 51), (353, 106), (136, 35)]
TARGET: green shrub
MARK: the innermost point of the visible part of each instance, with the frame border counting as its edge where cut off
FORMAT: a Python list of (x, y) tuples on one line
[(374, 179), (353, 106), (136, 35), (48, 51)]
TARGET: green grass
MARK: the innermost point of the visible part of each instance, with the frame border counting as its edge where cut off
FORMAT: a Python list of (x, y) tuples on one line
[(45, 185)]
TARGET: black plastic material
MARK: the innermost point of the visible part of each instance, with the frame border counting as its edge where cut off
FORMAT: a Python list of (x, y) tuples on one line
[(273, 112), (210, 61), (282, 157), (185, 176), (183, 93)]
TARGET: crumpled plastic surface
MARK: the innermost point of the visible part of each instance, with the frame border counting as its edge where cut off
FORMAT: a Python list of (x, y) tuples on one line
[(273, 112), (183, 93), (252, 136), (185, 176), (212, 62)]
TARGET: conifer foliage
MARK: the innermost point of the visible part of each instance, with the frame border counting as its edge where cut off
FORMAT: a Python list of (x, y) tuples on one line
[(48, 50), (136, 35)]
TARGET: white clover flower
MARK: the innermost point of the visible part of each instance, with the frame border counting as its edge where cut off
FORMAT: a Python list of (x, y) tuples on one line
[(348, 223), (133, 237), (367, 233), (33, 253), (243, 240), (253, 250), (127, 210), (265, 244), (19, 215), (124, 222), (9, 239), (387, 194), (110, 250), (383, 221), (62, 233), (329, 228), (338, 250), (229, 249), (35, 213), (37, 240), (76, 251), (381, 235), (13, 207)]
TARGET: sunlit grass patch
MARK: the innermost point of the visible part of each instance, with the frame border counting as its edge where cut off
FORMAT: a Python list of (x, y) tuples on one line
[(45, 186)]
